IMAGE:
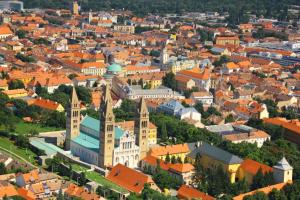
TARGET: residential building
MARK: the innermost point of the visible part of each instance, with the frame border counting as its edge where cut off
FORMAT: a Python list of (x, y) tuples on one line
[(205, 97), (189, 193), (249, 169), (175, 108), (16, 93), (291, 128), (227, 40), (124, 29), (5, 30), (184, 83), (183, 172), (240, 133), (202, 79), (46, 104), (130, 179), (81, 193)]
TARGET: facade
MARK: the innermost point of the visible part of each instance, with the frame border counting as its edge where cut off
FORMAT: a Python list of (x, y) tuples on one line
[(124, 29), (175, 108), (225, 40), (181, 171), (205, 97), (103, 142)]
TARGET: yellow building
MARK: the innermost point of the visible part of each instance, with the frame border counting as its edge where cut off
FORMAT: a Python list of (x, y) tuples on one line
[(47, 104), (212, 157), (178, 150), (75, 8), (17, 93), (152, 134), (249, 169), (225, 40)]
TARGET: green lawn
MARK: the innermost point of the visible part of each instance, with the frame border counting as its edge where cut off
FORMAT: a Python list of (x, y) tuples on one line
[(25, 128), (78, 168), (94, 176), (9, 146)]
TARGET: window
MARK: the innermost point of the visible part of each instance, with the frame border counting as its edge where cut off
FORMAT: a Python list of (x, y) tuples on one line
[(109, 128)]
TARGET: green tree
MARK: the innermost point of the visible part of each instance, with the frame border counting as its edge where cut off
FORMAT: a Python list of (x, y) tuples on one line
[(3, 169), (164, 133), (173, 160), (16, 84), (21, 34), (169, 81), (168, 159)]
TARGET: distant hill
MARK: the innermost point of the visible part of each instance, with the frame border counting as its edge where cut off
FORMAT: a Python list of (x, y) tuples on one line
[(268, 8)]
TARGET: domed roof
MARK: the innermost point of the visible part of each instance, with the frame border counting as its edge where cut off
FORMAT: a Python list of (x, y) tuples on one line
[(114, 68)]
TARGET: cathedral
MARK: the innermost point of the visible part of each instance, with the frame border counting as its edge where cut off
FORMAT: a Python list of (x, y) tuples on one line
[(103, 142)]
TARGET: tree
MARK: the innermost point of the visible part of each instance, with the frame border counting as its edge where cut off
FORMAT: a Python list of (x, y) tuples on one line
[(21, 34), (82, 179), (256, 196), (164, 133), (3, 169), (22, 141), (261, 180), (229, 119), (277, 195), (16, 84), (173, 160), (60, 195), (169, 81), (72, 76), (222, 60), (179, 160), (168, 158)]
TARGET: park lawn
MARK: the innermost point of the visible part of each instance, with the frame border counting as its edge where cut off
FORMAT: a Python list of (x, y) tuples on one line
[(78, 168), (24, 128), (96, 177), (28, 155)]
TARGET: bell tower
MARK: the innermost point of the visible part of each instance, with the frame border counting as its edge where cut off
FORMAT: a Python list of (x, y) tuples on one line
[(73, 119), (142, 128), (107, 131)]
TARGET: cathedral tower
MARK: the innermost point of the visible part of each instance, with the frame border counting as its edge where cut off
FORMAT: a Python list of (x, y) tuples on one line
[(107, 131), (141, 128), (73, 119)]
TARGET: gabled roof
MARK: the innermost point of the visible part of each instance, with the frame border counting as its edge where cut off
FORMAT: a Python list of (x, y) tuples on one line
[(214, 152), (187, 192), (129, 179), (252, 167)]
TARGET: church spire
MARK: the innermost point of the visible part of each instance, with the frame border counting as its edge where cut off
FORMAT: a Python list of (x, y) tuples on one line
[(107, 131), (141, 128), (73, 119), (74, 97)]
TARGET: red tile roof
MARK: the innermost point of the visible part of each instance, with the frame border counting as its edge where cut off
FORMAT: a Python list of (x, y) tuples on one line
[(187, 192), (129, 179), (252, 167)]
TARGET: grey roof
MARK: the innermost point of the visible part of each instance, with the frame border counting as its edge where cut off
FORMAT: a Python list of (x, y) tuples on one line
[(283, 164), (213, 152)]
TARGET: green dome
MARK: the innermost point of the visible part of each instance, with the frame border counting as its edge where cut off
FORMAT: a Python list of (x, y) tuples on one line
[(114, 68)]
